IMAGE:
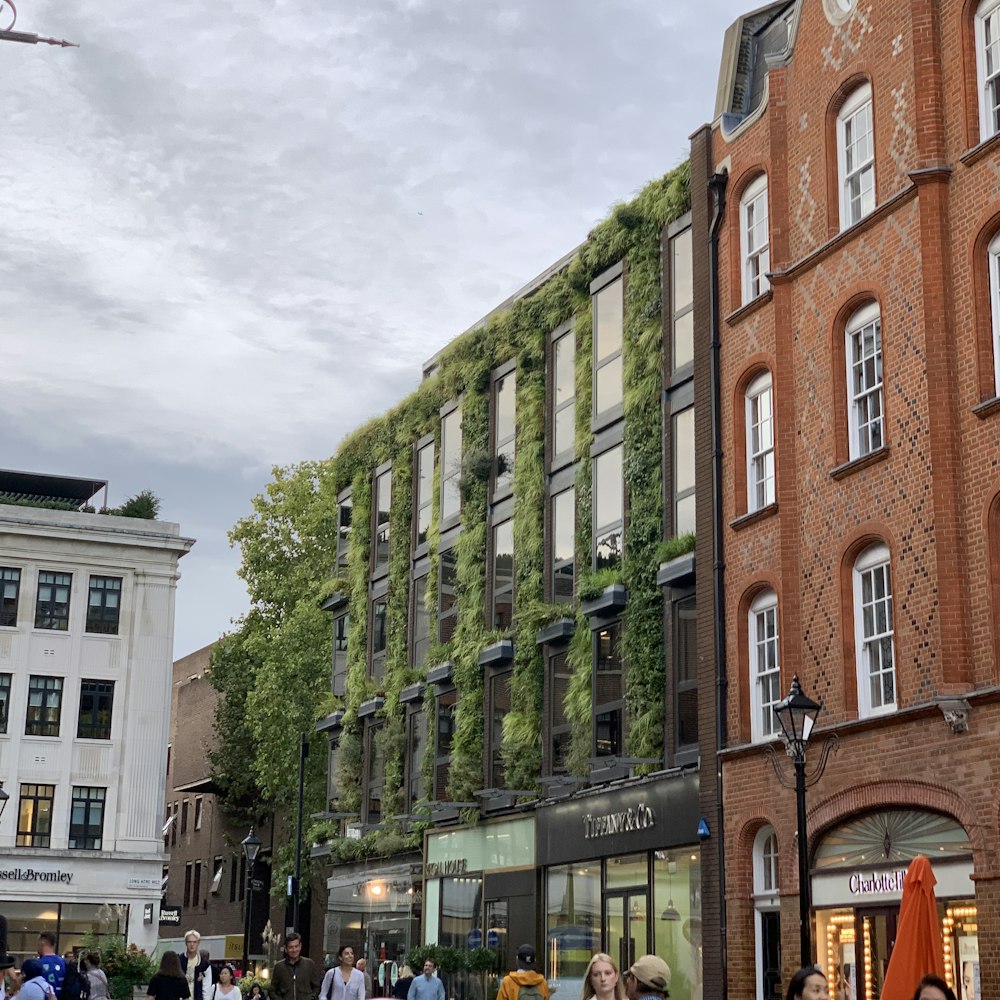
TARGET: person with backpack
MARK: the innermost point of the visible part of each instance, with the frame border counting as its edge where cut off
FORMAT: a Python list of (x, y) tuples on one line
[(524, 983), (76, 985)]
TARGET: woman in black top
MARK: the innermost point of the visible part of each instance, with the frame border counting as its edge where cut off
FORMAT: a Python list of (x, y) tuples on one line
[(169, 983)]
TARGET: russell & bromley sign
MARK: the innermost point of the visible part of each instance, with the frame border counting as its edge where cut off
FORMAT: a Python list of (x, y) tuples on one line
[(638, 817)]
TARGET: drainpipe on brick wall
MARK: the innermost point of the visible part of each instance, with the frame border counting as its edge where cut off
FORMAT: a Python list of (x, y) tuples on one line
[(717, 185)]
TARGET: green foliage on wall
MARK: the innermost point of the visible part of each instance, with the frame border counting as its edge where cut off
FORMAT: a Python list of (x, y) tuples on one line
[(289, 550)]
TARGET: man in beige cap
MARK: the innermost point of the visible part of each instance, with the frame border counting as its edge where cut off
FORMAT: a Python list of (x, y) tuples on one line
[(649, 976)]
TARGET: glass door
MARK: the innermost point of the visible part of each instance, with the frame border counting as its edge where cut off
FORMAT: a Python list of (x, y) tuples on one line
[(876, 929), (626, 924)]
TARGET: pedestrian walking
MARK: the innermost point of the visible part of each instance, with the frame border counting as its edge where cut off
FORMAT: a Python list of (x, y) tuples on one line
[(170, 982), (295, 977), (97, 977), (648, 977), (34, 983), (808, 984), (343, 981), (602, 980), (524, 983), (426, 986), (226, 988), (53, 966), (196, 968), (401, 987)]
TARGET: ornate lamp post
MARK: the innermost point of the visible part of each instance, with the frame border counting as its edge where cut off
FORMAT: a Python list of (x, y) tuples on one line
[(251, 848), (797, 715)]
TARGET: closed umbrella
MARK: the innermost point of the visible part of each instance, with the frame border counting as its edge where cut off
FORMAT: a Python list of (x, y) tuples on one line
[(917, 950)]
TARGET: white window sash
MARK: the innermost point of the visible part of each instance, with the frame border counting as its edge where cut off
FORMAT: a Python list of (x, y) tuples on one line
[(755, 241), (988, 69), (866, 404), (875, 635), (856, 157), (765, 667), (994, 269), (760, 446)]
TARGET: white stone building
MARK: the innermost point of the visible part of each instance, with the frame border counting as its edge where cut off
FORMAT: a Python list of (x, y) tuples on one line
[(86, 646)]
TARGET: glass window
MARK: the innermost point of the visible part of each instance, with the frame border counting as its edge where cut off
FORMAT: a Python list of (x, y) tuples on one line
[(34, 820), (563, 545), (608, 692), (199, 811), (573, 923), (760, 443), (560, 731), (503, 575), (96, 699), (10, 588), (4, 701), (563, 394), (375, 778), (765, 671), (609, 314), (874, 632), (185, 809), (378, 638), (754, 247), (505, 425), (461, 911), (609, 508), (86, 824), (684, 473), (686, 673), (444, 733), (864, 382), (341, 627), (343, 530), (500, 707), (682, 300), (416, 739), (448, 608), (451, 465), (104, 604), (44, 706), (421, 622), (988, 67), (425, 491), (678, 917), (52, 606), (856, 154), (994, 267), (383, 500)]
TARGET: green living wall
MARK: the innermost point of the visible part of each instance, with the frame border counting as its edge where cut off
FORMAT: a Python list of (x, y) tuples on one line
[(274, 668)]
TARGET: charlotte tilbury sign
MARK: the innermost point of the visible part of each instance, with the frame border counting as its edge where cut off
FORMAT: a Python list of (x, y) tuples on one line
[(885, 885)]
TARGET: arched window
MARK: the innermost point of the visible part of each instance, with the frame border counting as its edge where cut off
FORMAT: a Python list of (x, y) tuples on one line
[(994, 270), (856, 157), (865, 410), (988, 67), (767, 921), (765, 668), (760, 442), (874, 633), (754, 239)]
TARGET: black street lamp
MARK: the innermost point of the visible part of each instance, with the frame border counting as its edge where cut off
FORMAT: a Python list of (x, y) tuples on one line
[(797, 714), (251, 848)]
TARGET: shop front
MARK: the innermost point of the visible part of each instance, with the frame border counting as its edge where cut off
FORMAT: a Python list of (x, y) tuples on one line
[(857, 887), (376, 909), (622, 874), (78, 898), (481, 892)]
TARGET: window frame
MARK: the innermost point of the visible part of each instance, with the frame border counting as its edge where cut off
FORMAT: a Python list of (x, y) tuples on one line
[(9, 607), (106, 620), (767, 902), (92, 841), (680, 230), (679, 495), (564, 335), (30, 835), (683, 608), (420, 614), (756, 284), (422, 505), (451, 424), (502, 484), (853, 105), (447, 557), (442, 758), (373, 756), (764, 607), (496, 677), (381, 540), (993, 272), (416, 747), (875, 557), (862, 318), (338, 666), (46, 705), (345, 513), (558, 567), (377, 635), (559, 728), (989, 123), (603, 531), (57, 613), (761, 481), (6, 682), (598, 709), (600, 286), (95, 729), (507, 589)]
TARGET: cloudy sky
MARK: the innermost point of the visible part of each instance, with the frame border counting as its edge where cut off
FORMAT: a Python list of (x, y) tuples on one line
[(232, 231)]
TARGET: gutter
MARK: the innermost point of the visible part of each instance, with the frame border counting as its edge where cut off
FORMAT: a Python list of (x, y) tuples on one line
[(717, 185)]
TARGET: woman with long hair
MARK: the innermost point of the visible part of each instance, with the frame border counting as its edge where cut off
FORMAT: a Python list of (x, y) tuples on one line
[(98, 980), (808, 984), (343, 981), (169, 983), (934, 988), (226, 988), (602, 980)]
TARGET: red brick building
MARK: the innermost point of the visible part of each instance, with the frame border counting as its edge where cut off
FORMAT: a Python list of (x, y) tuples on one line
[(854, 163)]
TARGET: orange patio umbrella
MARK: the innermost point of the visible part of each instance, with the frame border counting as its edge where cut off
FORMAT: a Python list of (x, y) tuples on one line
[(917, 950)]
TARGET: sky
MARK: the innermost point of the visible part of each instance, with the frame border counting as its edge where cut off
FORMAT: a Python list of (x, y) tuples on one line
[(233, 231)]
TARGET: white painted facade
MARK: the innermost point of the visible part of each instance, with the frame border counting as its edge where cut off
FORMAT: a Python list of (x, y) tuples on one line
[(130, 765)]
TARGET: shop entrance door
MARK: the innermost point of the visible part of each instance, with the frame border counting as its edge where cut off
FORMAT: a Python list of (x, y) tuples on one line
[(626, 918), (875, 929)]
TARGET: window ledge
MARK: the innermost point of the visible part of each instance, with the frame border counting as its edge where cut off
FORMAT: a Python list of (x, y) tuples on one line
[(990, 406), (440, 674), (987, 146), (738, 315), (560, 630), (332, 722), (335, 601), (608, 603), (497, 653), (761, 514), (676, 571), (412, 693), (370, 707), (857, 464)]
